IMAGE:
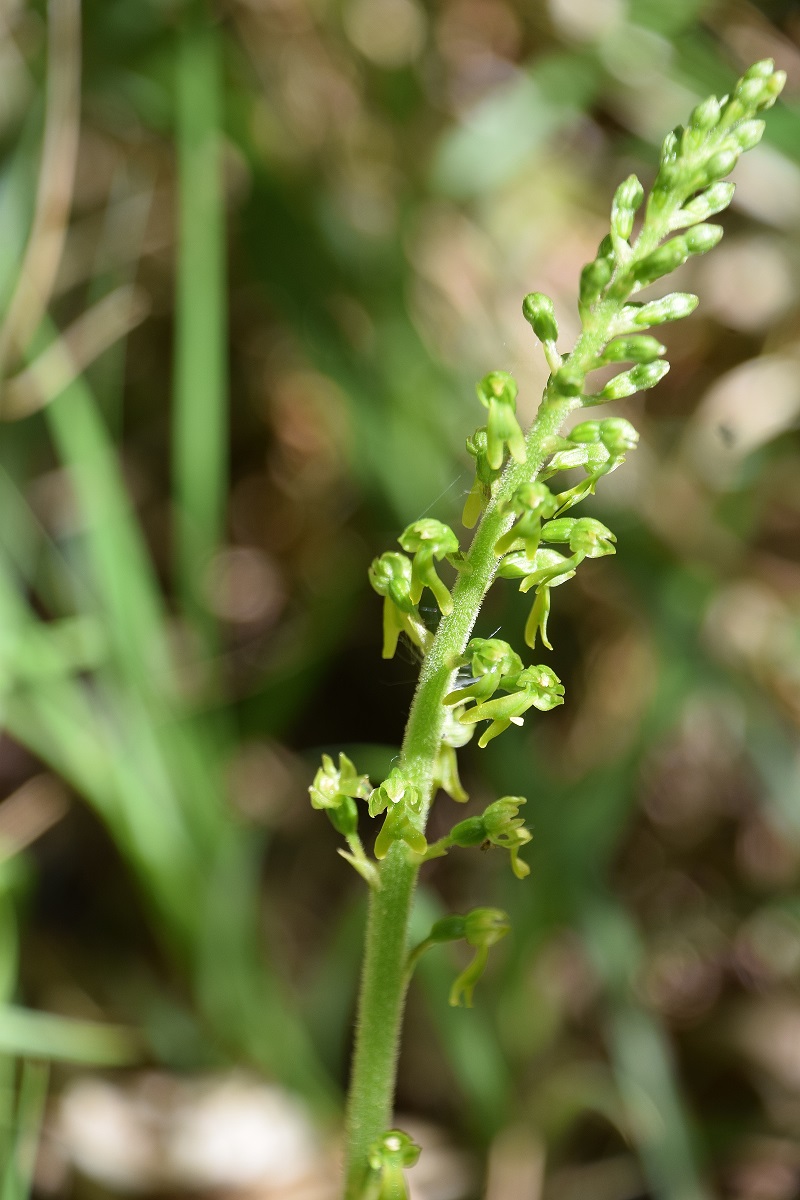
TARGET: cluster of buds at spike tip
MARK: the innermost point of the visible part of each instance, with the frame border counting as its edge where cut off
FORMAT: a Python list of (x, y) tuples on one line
[(429, 541), (532, 503), (688, 189), (335, 790), (391, 576), (401, 800), (500, 825), (699, 156), (485, 477), (481, 929), (497, 392), (388, 1159), (535, 687)]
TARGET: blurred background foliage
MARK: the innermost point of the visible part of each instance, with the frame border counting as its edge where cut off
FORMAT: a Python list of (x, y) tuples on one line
[(253, 258)]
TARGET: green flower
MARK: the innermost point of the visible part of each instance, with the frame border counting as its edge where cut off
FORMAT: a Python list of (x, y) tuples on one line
[(500, 825), (391, 577), (335, 790), (497, 391), (332, 787), (485, 477), (491, 661), (535, 687), (538, 311), (429, 541), (481, 928), (587, 537), (388, 1158), (605, 444), (532, 503), (401, 801), (547, 569), (504, 827)]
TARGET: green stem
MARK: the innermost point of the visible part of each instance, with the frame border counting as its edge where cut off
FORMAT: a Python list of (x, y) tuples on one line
[(384, 981)]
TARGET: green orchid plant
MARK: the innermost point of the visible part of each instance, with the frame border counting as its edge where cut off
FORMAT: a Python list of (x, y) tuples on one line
[(466, 682)]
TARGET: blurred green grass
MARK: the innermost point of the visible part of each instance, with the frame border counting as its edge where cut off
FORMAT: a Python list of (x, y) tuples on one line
[(329, 217)]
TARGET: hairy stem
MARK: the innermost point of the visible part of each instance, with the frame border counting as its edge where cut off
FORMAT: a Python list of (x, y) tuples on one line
[(383, 984)]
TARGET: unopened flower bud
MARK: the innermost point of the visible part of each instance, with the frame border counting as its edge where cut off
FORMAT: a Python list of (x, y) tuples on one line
[(702, 238), (672, 307), (722, 163), (641, 349), (594, 277), (713, 200), (749, 134), (567, 381), (660, 262), (669, 146), (538, 311), (627, 199), (638, 379), (706, 115), (762, 69)]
